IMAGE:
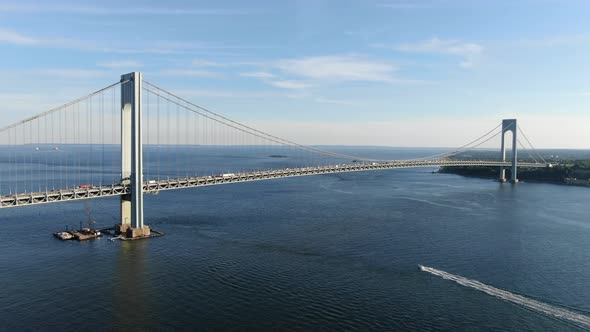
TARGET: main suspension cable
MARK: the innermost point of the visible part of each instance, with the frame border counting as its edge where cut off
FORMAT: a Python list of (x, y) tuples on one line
[(527, 151), (59, 107), (256, 133), (464, 147), (235, 125), (531, 145)]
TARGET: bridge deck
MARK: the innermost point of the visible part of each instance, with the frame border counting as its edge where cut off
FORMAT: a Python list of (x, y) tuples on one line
[(55, 196)]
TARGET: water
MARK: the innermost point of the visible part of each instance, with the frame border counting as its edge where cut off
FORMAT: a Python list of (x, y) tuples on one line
[(326, 252)]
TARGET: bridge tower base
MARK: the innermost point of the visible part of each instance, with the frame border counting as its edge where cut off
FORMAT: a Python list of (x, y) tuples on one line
[(132, 158), (509, 125)]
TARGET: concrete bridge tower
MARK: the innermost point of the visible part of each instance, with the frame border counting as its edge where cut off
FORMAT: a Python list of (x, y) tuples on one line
[(132, 157), (509, 125)]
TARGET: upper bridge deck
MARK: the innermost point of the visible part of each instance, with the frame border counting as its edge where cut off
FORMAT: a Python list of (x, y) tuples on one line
[(150, 186)]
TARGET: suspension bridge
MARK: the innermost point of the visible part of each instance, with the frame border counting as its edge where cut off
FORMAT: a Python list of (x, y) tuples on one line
[(133, 138)]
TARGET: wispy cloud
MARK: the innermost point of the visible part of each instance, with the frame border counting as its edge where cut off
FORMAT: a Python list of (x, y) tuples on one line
[(71, 73), (206, 63), (209, 63), (103, 10), (548, 42), (468, 51), (190, 73), (120, 64), (333, 101), (11, 37), (311, 71), (258, 74), (151, 47), (288, 84), (229, 94), (407, 4), (338, 68)]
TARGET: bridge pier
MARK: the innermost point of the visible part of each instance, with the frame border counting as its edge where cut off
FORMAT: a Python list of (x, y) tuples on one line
[(132, 157), (509, 125)]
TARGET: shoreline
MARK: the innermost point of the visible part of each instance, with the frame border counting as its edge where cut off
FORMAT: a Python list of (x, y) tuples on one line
[(479, 173)]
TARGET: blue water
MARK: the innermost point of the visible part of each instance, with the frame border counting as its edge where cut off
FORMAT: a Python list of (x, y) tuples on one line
[(329, 252)]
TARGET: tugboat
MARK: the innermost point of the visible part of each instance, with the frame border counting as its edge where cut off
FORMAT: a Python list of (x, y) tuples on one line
[(83, 233), (64, 236), (86, 233)]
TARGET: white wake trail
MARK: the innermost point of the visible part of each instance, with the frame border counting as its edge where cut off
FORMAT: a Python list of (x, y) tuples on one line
[(531, 304)]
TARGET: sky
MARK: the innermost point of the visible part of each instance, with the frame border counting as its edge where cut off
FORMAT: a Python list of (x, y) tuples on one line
[(431, 73)]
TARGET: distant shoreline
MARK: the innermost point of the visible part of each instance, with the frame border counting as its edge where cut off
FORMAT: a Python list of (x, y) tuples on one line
[(542, 175)]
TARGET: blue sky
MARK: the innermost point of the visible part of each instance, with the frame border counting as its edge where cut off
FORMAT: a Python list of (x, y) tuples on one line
[(388, 72)]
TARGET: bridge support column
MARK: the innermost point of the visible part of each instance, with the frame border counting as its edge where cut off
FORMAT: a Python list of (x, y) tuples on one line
[(132, 157), (509, 125)]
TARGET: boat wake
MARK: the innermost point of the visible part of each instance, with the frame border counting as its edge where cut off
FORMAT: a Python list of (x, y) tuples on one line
[(543, 308)]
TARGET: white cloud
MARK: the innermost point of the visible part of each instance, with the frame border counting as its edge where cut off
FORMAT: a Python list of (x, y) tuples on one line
[(449, 46), (103, 10), (12, 37), (226, 94), (338, 68), (258, 74), (468, 51), (190, 73), (333, 101), (71, 73), (305, 72), (151, 47), (205, 63), (287, 84), (433, 132), (120, 64), (407, 4)]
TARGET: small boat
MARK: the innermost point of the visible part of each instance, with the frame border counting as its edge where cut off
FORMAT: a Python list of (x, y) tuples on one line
[(64, 236), (119, 237)]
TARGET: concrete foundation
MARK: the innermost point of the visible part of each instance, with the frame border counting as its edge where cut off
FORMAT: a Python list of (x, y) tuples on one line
[(122, 229), (138, 232), (131, 232)]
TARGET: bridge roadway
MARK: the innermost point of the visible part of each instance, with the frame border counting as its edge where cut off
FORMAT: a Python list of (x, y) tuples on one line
[(154, 186)]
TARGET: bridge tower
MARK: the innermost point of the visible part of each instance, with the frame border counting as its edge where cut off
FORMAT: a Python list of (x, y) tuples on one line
[(132, 157), (509, 125)]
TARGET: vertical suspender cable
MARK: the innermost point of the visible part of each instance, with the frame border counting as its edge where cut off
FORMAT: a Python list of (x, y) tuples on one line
[(78, 142), (146, 134), (10, 162), (70, 144), (168, 133), (102, 138), (186, 144), (24, 162), (114, 149), (177, 130), (60, 148), (15, 162), (31, 163), (46, 152), (196, 141), (158, 122), (89, 135)]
